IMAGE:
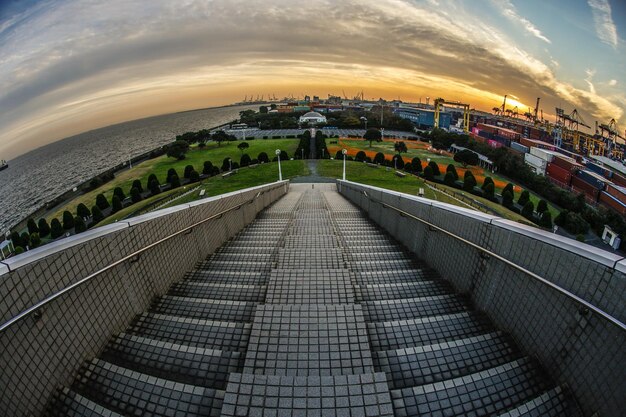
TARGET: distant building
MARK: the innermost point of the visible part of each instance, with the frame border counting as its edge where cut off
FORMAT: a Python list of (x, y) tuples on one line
[(424, 118), (313, 117)]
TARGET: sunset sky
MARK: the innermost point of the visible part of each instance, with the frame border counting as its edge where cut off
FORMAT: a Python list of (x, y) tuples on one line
[(69, 66)]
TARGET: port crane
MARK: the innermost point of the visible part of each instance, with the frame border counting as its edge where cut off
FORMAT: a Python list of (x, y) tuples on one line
[(440, 102), (609, 135)]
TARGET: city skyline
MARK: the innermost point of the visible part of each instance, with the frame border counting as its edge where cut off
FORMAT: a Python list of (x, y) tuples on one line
[(69, 67)]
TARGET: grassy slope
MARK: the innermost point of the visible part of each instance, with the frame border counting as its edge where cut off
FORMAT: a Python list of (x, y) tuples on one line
[(159, 166), (420, 150), (380, 177), (246, 177)]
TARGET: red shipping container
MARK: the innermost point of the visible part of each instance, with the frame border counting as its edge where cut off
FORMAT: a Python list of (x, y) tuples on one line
[(619, 180), (611, 203), (567, 164), (581, 186), (615, 192), (559, 174)]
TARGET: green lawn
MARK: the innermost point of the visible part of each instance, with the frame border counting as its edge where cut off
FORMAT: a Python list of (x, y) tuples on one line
[(159, 166)]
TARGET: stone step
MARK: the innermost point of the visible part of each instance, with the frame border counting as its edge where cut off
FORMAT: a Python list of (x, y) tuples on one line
[(421, 365), (484, 393), (209, 334), (401, 290), (216, 291), (204, 308), (236, 265), (390, 335), (396, 276), (552, 403), (176, 362), (242, 256), (227, 277), (382, 265), (133, 393), (411, 308), (68, 403)]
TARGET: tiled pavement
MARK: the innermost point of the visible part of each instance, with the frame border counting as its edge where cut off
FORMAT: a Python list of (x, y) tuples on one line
[(312, 311)]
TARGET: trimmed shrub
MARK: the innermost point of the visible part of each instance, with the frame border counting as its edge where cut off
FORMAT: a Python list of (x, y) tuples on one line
[(35, 240), (244, 161), (102, 202), (119, 193), (546, 219), (97, 215), (489, 191), (56, 230), (188, 170), (542, 206), (175, 182), (194, 176), (469, 182), (263, 158), (19, 250), (507, 199), (435, 168), (360, 156), (428, 173), (44, 228), (486, 182), (135, 195), (154, 187), (25, 239), (82, 211), (116, 204), (449, 179), (398, 161), (207, 168), (527, 210), (32, 226), (451, 168), (523, 198), (79, 225), (68, 220), (137, 185), (416, 164), (170, 173), (379, 158), (509, 188)]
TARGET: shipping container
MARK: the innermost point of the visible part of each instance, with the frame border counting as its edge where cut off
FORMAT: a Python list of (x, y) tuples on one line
[(619, 179), (495, 143), (592, 178), (580, 186), (516, 146), (616, 191), (535, 161), (596, 168), (612, 203), (559, 174), (566, 163), (544, 154)]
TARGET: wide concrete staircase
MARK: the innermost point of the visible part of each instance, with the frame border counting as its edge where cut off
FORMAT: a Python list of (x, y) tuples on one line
[(312, 311)]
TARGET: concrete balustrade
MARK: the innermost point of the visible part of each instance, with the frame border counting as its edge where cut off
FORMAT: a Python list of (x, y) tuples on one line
[(578, 347), (44, 350)]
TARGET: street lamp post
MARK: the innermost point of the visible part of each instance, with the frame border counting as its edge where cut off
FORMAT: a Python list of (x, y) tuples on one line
[(344, 152), (280, 172), (302, 153), (382, 133), (230, 164), (364, 120)]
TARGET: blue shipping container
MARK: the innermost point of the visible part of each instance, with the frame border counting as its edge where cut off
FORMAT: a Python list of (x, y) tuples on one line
[(595, 168), (519, 147), (590, 179)]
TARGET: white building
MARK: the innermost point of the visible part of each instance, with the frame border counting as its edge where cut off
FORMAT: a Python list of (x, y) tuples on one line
[(313, 117)]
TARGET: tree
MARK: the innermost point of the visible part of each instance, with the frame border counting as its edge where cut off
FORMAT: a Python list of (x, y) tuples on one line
[(119, 193), (97, 215), (243, 146), (469, 182), (263, 110), (56, 230), (263, 158), (175, 182), (416, 163), (68, 220), (219, 137), (137, 185), (523, 198), (379, 158), (194, 176), (171, 173), (135, 195), (79, 225), (486, 182), (433, 165), (116, 204), (542, 207), (451, 168), (177, 149), (428, 173), (188, 170), (372, 135), (449, 179), (207, 168), (466, 157), (32, 226), (489, 191), (102, 202), (400, 147), (507, 199), (546, 219), (82, 211), (360, 156), (35, 240), (154, 187), (44, 228), (244, 161)]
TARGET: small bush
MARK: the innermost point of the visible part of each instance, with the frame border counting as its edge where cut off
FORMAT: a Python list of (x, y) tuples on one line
[(194, 176), (56, 230), (79, 225), (428, 173), (135, 195), (102, 202), (68, 220), (44, 228), (97, 215), (116, 204)]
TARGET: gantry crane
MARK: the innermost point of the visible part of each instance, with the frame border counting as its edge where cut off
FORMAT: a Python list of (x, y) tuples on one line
[(466, 111), (609, 135)]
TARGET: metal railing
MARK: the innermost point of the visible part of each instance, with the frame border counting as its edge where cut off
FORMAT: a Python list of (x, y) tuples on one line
[(22, 315), (489, 253)]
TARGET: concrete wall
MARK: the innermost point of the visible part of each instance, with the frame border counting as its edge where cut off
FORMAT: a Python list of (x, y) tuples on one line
[(44, 351), (578, 348)]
